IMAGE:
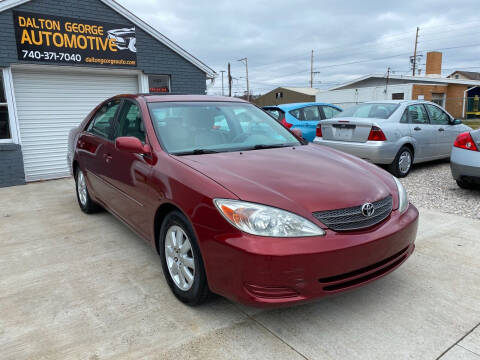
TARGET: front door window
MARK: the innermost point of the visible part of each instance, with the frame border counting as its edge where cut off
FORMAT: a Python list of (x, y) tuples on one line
[(103, 123), (130, 122)]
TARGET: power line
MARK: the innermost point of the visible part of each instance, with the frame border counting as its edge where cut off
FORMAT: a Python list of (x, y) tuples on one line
[(328, 50)]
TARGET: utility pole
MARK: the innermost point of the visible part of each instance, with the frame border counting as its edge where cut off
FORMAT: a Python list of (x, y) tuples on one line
[(229, 81), (312, 73), (386, 83), (222, 71), (415, 53), (311, 70), (246, 71)]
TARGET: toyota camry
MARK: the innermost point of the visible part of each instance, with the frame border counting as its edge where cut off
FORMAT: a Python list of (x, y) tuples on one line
[(235, 203)]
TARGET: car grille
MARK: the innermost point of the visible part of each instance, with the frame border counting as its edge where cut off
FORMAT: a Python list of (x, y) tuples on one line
[(352, 218)]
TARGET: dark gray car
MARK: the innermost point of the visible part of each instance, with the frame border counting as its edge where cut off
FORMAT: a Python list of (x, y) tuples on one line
[(465, 160), (397, 133)]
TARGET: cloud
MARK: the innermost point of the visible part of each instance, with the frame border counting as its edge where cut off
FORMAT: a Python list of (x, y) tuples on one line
[(349, 39)]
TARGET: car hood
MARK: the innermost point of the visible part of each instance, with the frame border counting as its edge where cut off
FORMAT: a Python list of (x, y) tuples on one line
[(303, 179)]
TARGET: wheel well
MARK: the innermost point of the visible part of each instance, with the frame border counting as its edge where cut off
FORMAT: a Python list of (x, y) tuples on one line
[(74, 167), (162, 211), (411, 148)]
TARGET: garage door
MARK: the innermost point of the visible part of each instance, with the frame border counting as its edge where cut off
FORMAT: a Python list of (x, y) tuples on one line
[(49, 104)]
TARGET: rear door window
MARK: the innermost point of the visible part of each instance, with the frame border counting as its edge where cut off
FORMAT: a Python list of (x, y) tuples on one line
[(297, 114), (311, 113), (417, 114), (103, 123)]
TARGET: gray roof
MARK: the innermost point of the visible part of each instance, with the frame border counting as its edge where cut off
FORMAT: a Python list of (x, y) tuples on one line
[(468, 74)]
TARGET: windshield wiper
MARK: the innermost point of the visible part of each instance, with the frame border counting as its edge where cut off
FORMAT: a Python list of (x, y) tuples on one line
[(196, 152), (271, 146)]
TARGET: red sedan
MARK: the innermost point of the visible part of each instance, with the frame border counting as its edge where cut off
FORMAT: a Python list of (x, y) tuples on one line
[(235, 203)]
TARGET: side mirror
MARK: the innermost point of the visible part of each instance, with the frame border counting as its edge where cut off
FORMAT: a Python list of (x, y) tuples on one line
[(298, 133), (456, 122), (131, 145)]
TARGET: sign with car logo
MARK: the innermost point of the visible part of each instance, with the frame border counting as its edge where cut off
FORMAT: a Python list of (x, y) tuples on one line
[(55, 39)]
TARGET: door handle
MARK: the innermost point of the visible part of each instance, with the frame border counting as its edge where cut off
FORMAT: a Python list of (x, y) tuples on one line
[(107, 157), (441, 129), (417, 128)]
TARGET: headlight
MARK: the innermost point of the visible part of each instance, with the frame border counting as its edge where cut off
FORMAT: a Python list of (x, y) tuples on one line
[(264, 220), (402, 196)]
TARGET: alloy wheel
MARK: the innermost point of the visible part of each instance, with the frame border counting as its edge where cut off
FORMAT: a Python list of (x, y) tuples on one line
[(404, 162), (179, 257), (82, 188)]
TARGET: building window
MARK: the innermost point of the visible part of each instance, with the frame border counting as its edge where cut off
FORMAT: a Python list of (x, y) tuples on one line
[(4, 122), (397, 96), (457, 76), (159, 83), (439, 99)]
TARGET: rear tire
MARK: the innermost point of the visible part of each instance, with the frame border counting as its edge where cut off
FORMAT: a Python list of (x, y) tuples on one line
[(87, 205), (465, 185), (182, 262), (402, 164)]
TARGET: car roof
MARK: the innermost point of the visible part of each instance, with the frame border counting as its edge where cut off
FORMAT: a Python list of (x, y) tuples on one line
[(151, 98), (407, 102), (293, 106)]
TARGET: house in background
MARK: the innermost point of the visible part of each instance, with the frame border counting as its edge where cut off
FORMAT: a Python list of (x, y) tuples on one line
[(451, 93), (286, 95), (464, 75)]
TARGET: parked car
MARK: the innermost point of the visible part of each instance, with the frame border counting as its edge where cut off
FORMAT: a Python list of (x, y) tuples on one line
[(465, 159), (397, 133), (303, 116), (218, 188)]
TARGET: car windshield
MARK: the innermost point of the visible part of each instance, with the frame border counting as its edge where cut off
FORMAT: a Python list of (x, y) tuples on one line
[(369, 110), (204, 127)]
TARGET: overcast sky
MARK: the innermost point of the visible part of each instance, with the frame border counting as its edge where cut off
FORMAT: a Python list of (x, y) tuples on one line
[(349, 38)]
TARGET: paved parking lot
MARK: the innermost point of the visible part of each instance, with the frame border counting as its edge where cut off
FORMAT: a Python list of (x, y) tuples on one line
[(74, 286)]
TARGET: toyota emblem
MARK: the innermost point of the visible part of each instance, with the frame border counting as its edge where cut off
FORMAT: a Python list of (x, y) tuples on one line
[(368, 209)]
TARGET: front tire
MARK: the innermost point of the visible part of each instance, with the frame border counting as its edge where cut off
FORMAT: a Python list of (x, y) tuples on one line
[(181, 260), (402, 164), (87, 205)]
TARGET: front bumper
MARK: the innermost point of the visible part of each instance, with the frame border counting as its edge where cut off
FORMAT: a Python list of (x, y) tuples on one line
[(264, 272), (465, 164), (377, 152)]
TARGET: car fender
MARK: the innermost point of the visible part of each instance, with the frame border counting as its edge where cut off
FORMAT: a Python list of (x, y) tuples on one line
[(407, 140)]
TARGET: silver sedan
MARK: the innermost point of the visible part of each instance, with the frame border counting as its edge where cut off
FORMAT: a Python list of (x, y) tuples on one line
[(397, 133), (465, 159)]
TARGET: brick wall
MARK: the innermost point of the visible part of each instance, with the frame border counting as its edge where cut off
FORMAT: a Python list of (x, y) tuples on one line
[(152, 56), (427, 90), (453, 96), (454, 102), (11, 165)]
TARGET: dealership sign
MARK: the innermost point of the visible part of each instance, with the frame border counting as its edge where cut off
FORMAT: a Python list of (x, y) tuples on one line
[(57, 39)]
